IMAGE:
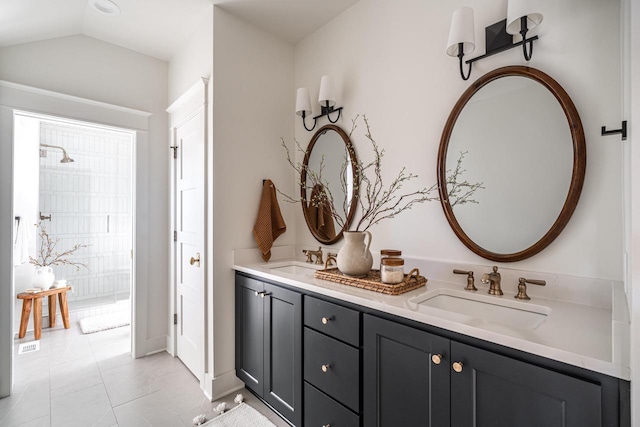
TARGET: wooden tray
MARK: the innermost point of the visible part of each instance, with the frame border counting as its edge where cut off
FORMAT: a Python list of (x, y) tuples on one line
[(372, 282)]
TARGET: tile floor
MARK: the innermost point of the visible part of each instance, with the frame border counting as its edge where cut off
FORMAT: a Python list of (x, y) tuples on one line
[(91, 380)]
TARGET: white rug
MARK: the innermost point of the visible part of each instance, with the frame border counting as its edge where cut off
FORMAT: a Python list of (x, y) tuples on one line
[(89, 325), (242, 415)]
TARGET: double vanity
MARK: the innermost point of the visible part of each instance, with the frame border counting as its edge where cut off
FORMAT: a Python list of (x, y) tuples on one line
[(555, 353), (325, 354)]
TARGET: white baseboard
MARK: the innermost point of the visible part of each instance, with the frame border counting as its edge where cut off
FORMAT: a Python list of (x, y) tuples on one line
[(169, 346), (222, 385), (155, 345)]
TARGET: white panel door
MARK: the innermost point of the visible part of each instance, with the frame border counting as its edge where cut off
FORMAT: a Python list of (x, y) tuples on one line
[(190, 238)]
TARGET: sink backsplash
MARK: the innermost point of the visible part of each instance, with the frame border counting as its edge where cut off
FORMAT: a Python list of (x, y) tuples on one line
[(580, 290)]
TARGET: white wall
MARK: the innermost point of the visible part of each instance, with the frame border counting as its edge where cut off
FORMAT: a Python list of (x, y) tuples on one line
[(88, 68), (389, 62), (194, 60), (25, 198), (253, 101), (631, 39), (251, 105)]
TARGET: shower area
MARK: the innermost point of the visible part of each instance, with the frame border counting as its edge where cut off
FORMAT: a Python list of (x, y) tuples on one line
[(84, 197)]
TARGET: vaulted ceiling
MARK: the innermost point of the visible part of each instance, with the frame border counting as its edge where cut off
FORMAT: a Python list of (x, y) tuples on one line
[(157, 28)]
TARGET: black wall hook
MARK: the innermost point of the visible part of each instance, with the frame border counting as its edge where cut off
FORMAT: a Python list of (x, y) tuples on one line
[(622, 130)]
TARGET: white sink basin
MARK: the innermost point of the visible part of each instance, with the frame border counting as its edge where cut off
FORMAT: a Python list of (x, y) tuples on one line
[(474, 309), (295, 268)]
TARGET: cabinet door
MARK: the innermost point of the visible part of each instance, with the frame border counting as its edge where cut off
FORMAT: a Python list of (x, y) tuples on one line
[(497, 391), (402, 386), (250, 333), (283, 352)]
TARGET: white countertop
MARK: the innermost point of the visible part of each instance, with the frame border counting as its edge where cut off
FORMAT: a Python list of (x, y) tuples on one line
[(593, 337)]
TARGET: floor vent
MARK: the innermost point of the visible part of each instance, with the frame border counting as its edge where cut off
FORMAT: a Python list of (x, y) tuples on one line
[(29, 347)]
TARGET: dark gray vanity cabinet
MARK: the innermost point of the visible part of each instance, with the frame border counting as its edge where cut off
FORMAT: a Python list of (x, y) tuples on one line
[(413, 378), (319, 362), (496, 391), (331, 364), (402, 386), (269, 344)]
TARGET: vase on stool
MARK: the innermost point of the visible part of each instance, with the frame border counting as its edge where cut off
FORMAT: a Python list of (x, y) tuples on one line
[(43, 277), (354, 258)]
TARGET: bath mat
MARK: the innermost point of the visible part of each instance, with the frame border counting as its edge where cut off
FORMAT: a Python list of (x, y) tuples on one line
[(242, 415), (89, 325)]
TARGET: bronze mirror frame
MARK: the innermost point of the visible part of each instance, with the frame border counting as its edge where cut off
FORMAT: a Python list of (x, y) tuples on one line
[(303, 180), (577, 176)]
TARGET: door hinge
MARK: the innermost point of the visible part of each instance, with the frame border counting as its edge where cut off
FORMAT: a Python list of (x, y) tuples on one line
[(175, 236), (175, 151), (175, 318)]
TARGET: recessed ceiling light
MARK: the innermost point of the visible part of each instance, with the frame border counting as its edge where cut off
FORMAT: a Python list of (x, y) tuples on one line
[(107, 7)]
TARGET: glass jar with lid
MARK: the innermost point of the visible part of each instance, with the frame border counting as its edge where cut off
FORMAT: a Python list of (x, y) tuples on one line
[(392, 270), (386, 253)]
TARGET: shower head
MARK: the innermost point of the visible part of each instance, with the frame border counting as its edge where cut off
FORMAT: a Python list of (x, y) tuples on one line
[(65, 156), (66, 159)]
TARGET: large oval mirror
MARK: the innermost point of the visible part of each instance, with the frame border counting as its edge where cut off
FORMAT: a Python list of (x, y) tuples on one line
[(327, 184), (511, 163)]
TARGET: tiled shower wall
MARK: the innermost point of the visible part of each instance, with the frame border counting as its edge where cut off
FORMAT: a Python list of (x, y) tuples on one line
[(90, 203)]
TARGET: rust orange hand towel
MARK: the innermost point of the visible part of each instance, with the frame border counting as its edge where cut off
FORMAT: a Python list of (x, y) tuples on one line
[(269, 224)]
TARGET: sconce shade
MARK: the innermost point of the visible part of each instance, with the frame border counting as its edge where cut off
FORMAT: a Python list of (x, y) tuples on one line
[(461, 31), (327, 92), (516, 9), (303, 102)]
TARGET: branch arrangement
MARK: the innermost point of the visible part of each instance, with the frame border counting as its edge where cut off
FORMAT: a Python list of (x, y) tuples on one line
[(461, 192), (375, 201), (47, 254)]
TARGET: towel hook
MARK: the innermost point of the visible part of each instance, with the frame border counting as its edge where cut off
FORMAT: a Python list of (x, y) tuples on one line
[(622, 130)]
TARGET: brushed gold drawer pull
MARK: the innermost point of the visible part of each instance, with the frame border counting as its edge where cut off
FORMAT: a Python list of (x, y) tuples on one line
[(457, 366), (195, 260), (436, 359), (325, 368), (326, 320)]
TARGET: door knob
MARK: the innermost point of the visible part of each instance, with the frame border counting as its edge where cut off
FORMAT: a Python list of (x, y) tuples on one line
[(195, 260), (326, 367), (436, 359), (457, 366)]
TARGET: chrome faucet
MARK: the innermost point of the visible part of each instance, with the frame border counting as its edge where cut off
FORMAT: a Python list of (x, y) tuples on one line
[(493, 279), (310, 254)]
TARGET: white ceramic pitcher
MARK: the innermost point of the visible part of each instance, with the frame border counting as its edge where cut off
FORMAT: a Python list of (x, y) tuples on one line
[(354, 258)]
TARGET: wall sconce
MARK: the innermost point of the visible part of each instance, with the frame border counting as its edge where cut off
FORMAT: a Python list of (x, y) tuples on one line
[(522, 16), (326, 99)]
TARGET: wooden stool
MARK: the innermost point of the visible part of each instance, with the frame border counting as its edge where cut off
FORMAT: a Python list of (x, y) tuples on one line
[(29, 298)]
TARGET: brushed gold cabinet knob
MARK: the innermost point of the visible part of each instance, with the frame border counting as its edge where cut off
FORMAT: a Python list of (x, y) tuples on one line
[(325, 368), (326, 320), (436, 359), (457, 366), (195, 260)]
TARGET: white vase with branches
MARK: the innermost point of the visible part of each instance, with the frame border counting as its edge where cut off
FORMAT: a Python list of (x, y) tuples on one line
[(375, 201), (48, 256)]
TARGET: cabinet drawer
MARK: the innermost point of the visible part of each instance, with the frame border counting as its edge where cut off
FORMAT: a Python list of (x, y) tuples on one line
[(320, 410), (331, 319), (342, 377)]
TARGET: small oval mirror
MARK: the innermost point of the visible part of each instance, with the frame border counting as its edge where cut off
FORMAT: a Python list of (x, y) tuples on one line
[(517, 132), (327, 184)]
